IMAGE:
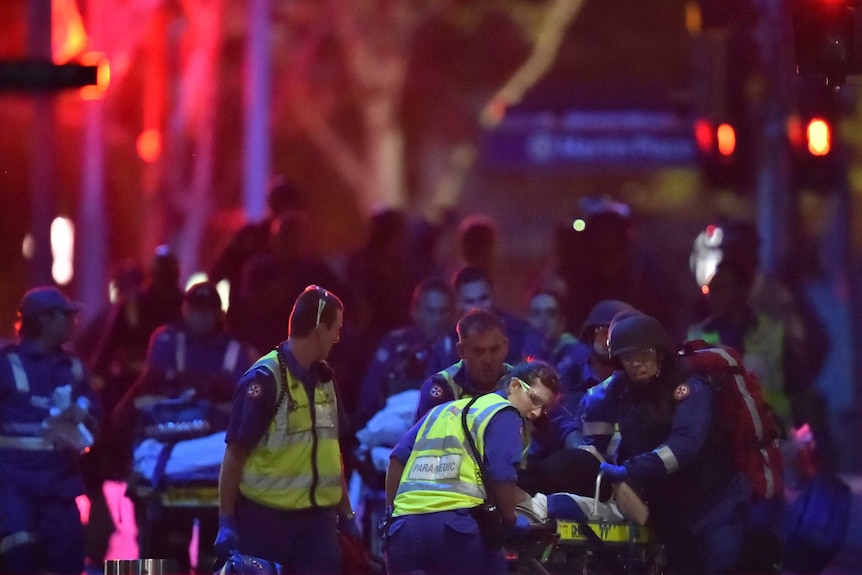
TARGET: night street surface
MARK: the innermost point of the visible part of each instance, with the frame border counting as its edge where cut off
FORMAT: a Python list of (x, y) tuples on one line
[(847, 562)]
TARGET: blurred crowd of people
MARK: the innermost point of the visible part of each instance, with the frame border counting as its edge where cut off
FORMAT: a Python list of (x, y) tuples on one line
[(410, 323)]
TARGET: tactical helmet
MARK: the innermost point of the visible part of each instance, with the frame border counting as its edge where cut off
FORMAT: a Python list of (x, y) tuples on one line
[(602, 314), (635, 332)]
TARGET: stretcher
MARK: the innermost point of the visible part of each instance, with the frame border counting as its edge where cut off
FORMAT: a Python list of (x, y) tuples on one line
[(176, 485), (586, 536)]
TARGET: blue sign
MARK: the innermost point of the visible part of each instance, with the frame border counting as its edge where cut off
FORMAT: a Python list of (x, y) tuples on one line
[(629, 139)]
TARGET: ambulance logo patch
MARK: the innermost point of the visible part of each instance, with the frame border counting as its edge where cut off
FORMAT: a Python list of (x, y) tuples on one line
[(254, 390), (436, 391), (681, 391)]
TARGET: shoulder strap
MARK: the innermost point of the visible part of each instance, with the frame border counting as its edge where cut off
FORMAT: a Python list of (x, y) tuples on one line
[(283, 393), (477, 459)]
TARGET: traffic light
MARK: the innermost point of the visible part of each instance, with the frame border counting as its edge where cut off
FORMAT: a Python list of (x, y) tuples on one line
[(722, 152), (815, 165), (827, 38)]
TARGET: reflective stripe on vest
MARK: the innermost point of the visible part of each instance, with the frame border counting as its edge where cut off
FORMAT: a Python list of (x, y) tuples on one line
[(296, 465), (16, 539), (440, 474), (25, 443), (231, 355), (449, 375), (21, 382)]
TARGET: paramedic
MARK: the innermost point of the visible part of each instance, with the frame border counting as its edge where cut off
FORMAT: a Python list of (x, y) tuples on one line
[(585, 365), (400, 361), (482, 347), (671, 451), (48, 414), (431, 529), (281, 487), (193, 360)]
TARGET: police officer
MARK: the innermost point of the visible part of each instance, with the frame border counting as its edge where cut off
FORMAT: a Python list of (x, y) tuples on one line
[(581, 366), (671, 449), (48, 414), (482, 346), (432, 482), (281, 488), (400, 361), (195, 359)]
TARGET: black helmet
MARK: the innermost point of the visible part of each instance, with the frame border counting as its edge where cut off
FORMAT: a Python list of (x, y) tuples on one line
[(637, 331), (602, 314)]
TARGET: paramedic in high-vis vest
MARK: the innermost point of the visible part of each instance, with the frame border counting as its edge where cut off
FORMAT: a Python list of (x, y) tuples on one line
[(433, 481), (282, 495), (482, 346), (672, 450), (48, 416)]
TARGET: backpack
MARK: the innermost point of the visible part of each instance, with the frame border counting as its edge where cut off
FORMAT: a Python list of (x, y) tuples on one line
[(748, 421)]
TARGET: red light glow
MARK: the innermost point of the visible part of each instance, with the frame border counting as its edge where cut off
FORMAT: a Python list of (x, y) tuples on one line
[(703, 136), (150, 145), (726, 136), (819, 136)]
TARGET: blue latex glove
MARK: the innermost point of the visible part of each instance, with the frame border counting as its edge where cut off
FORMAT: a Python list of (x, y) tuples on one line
[(227, 539), (520, 528), (614, 473), (348, 526)]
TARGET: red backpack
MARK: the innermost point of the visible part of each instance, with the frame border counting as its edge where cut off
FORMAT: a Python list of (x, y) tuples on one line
[(746, 417)]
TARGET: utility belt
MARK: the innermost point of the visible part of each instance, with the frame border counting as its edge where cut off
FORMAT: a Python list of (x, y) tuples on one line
[(26, 443)]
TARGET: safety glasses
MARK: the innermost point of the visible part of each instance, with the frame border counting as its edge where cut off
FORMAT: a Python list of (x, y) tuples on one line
[(535, 400)]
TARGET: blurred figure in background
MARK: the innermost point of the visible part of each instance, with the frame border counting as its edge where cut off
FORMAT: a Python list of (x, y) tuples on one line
[(779, 335), (252, 239), (401, 360), (479, 238), (198, 363), (597, 258), (474, 290), (49, 414), (272, 281), (380, 276), (122, 349)]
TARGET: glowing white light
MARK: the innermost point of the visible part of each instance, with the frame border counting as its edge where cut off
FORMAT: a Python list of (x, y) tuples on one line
[(222, 287), (62, 249), (579, 225), (705, 255), (28, 247)]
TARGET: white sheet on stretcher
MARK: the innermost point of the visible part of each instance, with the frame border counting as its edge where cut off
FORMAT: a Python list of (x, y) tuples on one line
[(194, 458), (537, 506)]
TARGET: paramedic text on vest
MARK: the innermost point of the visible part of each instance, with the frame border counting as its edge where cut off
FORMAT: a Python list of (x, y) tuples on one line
[(433, 482), (281, 487), (671, 449), (48, 415)]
